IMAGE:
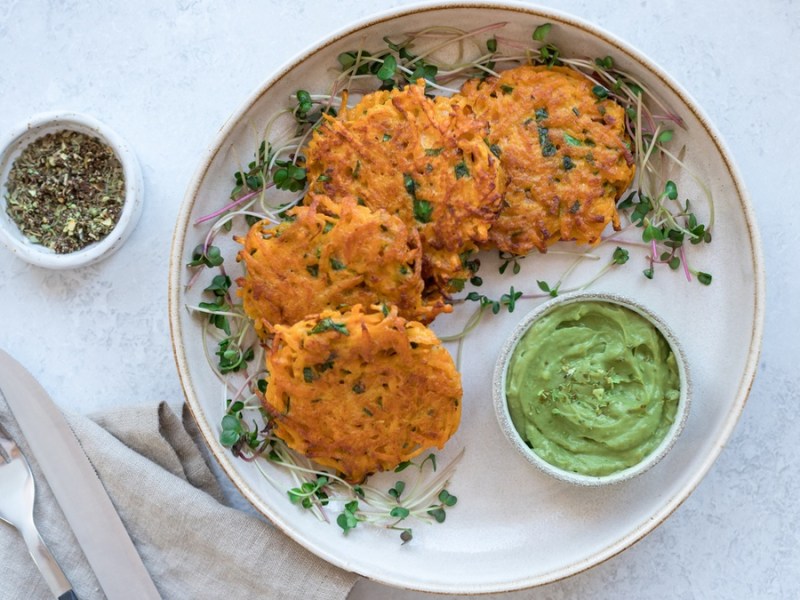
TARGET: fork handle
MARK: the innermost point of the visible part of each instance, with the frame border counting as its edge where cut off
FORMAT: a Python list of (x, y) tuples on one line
[(48, 567)]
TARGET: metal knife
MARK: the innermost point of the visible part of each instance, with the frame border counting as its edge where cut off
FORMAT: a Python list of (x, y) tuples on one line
[(80, 494)]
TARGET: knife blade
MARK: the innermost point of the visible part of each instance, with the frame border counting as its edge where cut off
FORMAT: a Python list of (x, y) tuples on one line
[(80, 494)]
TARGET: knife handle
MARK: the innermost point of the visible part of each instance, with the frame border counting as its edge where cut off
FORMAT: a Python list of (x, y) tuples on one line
[(70, 595)]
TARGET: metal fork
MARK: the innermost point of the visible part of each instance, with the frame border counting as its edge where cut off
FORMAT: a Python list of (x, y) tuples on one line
[(16, 508)]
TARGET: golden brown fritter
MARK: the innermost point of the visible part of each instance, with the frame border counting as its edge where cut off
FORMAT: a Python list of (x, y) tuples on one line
[(422, 159), (331, 256), (564, 151), (361, 391)]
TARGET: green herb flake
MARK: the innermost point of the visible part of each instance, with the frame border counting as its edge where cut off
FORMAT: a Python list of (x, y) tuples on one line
[(423, 210), (328, 324), (547, 146), (337, 265), (571, 140), (410, 185), (461, 170)]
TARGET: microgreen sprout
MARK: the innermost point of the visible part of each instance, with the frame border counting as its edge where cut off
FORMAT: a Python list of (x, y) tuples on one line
[(512, 260), (202, 256), (310, 492), (507, 300), (545, 287)]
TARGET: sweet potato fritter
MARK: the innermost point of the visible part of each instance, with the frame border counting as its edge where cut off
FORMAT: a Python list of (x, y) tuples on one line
[(564, 151), (360, 391), (331, 256), (422, 159)]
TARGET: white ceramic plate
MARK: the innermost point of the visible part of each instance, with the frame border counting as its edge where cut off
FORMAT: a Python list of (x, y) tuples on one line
[(513, 527)]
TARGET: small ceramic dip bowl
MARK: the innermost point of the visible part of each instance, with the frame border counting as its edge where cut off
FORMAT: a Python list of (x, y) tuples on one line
[(120, 227), (592, 388)]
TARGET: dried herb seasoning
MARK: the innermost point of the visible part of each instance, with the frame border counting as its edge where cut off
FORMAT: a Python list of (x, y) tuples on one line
[(65, 191)]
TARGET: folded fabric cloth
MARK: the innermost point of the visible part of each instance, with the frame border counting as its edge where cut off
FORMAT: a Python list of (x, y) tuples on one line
[(193, 545)]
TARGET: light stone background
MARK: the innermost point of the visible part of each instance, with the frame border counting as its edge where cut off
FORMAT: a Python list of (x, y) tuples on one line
[(167, 73)]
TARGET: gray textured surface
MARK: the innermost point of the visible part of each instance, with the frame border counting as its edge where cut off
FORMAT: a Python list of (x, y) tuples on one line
[(166, 75)]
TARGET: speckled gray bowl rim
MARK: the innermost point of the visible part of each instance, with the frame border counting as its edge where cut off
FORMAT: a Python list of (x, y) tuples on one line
[(38, 126), (501, 404), (220, 454)]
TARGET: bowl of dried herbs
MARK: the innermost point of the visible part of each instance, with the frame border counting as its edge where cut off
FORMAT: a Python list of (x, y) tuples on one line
[(70, 191)]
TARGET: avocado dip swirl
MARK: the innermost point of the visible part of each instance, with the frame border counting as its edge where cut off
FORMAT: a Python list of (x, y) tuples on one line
[(592, 387)]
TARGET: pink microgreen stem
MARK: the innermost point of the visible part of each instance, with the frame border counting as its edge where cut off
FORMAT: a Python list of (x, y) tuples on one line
[(193, 278), (229, 206), (685, 266), (511, 43)]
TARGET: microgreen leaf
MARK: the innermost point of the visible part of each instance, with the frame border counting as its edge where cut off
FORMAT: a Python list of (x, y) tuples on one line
[(665, 136), (545, 287), (605, 63), (209, 257), (540, 33), (388, 69), (397, 490), (437, 513), (620, 256), (403, 466), (671, 190), (704, 278), (651, 232), (399, 512)]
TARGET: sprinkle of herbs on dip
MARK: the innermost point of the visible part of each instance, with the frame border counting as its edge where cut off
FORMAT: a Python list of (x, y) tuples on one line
[(65, 191)]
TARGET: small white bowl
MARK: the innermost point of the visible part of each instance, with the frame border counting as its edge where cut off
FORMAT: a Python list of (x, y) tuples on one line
[(37, 254), (519, 444)]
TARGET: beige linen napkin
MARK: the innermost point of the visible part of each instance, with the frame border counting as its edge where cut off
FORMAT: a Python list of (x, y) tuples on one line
[(193, 545)]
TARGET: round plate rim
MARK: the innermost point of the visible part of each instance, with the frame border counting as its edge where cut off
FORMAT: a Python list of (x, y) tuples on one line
[(669, 506)]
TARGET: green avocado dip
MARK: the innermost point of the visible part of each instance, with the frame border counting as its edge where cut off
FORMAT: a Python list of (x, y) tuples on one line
[(592, 387)]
